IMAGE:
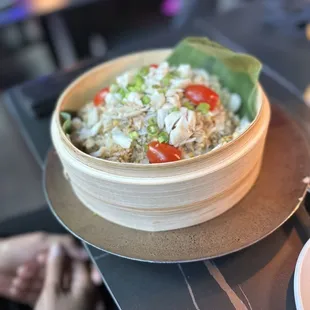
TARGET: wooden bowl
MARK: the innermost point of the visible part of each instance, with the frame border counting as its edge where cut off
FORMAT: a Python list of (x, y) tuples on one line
[(158, 197)]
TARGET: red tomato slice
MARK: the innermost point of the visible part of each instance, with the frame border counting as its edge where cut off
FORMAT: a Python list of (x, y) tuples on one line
[(100, 96), (154, 66), (202, 94), (162, 153)]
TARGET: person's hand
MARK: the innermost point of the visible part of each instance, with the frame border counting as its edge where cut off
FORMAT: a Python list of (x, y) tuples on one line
[(22, 264), (66, 288), (32, 247)]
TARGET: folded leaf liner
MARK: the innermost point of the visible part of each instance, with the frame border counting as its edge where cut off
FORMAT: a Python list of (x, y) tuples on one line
[(166, 196), (238, 72)]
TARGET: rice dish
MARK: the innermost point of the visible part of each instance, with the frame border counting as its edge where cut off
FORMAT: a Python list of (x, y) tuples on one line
[(157, 114)]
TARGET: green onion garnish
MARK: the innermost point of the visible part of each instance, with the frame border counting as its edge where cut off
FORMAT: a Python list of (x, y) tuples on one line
[(122, 92), (146, 100), (203, 108), (188, 105), (139, 80), (114, 88), (139, 88), (163, 137), (162, 90), (131, 88), (152, 130), (152, 121), (144, 70), (175, 109), (134, 135), (166, 79)]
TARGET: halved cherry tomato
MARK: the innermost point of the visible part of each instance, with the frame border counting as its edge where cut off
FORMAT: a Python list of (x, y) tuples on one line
[(154, 66), (201, 94), (162, 153), (100, 96)]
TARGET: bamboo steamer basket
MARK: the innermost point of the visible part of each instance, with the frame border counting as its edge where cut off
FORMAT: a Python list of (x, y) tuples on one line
[(158, 197)]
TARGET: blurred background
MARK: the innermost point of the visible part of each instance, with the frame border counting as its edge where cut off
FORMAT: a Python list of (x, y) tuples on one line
[(38, 37)]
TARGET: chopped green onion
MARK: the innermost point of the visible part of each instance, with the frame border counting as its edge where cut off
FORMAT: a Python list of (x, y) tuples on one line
[(152, 130), (163, 137), (144, 70), (131, 88), (146, 100), (162, 90), (175, 74), (134, 135), (152, 121), (114, 88), (139, 88), (166, 79), (203, 108), (175, 109), (122, 92), (139, 81), (188, 105), (134, 87)]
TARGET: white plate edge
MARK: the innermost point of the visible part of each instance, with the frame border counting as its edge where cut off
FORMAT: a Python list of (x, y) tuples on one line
[(297, 276)]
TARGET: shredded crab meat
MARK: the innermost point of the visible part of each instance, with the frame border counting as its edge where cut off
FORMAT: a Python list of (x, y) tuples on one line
[(148, 104)]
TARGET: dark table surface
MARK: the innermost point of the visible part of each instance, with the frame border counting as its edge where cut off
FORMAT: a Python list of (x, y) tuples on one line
[(259, 277)]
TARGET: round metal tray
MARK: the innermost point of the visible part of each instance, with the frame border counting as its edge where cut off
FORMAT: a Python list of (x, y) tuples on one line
[(274, 198)]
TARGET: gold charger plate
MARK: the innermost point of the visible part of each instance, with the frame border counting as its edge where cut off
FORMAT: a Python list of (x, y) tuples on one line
[(274, 198)]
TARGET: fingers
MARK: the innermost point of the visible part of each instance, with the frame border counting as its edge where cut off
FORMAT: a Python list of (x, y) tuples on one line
[(73, 249), (100, 305), (26, 297), (96, 276), (30, 271), (54, 268), (21, 285), (81, 280)]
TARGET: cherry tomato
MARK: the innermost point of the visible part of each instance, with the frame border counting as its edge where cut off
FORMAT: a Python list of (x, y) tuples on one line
[(100, 96), (154, 66), (202, 94), (162, 153)]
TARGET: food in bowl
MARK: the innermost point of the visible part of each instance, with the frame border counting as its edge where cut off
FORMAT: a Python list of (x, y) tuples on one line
[(156, 114), (160, 197)]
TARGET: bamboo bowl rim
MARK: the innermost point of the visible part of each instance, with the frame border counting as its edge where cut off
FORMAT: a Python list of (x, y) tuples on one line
[(75, 83)]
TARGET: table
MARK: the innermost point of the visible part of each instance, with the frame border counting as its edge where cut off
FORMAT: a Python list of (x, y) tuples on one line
[(259, 277)]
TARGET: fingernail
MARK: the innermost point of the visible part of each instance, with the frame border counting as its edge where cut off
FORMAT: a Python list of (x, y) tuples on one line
[(21, 270), (55, 251), (16, 282), (41, 258), (13, 291), (96, 277)]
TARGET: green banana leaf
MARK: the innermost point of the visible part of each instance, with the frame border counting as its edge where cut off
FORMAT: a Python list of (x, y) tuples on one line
[(237, 72)]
